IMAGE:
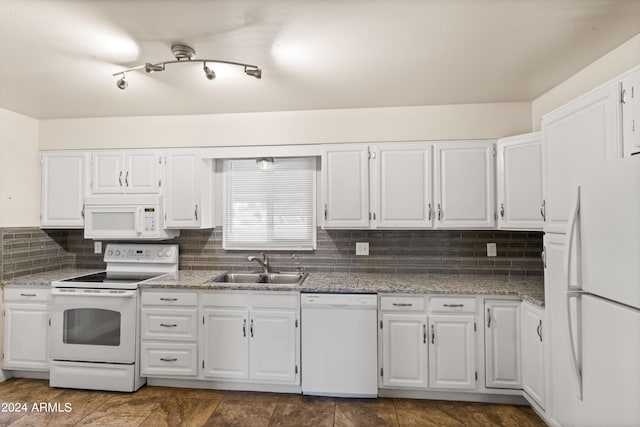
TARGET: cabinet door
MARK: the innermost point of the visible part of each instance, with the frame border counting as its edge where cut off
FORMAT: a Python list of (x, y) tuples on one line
[(502, 344), (64, 177), (272, 348), (404, 350), (630, 87), (402, 186), (520, 182), (578, 138), (452, 362), (107, 174), (182, 184), (226, 344), (25, 336), (345, 175), (464, 182), (533, 353), (142, 172)]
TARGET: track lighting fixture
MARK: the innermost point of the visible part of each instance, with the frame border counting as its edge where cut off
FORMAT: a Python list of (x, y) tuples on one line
[(185, 54), (122, 83)]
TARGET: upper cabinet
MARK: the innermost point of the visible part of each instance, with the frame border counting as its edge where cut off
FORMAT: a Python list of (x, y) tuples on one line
[(630, 100), (390, 185), (578, 138), (464, 184), (345, 179), (519, 179), (63, 187), (188, 191), (126, 171)]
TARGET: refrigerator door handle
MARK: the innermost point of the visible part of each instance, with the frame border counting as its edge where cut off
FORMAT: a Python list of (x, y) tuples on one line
[(573, 220), (577, 371)]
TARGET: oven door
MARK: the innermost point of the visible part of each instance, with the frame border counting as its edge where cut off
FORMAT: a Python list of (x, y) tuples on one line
[(93, 325)]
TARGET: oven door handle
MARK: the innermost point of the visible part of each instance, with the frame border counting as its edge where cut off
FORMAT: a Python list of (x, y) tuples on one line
[(101, 294)]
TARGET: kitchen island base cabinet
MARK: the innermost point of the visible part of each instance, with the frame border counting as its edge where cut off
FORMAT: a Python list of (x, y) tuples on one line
[(26, 317), (251, 336)]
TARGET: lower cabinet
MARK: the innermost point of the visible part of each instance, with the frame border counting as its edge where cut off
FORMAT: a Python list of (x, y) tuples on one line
[(502, 343), (26, 316), (533, 369), (251, 336), (452, 362)]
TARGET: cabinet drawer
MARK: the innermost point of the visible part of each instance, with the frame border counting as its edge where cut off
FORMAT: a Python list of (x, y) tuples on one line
[(274, 300), (453, 305), (225, 299), (170, 298), (174, 324), (27, 294), (403, 303), (168, 359)]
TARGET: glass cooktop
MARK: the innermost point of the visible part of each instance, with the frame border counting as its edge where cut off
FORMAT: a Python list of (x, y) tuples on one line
[(104, 277)]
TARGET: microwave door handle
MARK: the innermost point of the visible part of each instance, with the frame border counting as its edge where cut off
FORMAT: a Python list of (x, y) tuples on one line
[(138, 220)]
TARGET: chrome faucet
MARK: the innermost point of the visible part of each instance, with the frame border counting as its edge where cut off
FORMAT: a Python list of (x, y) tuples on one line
[(264, 262)]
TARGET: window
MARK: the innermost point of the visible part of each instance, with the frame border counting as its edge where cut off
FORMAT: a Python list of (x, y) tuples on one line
[(272, 209)]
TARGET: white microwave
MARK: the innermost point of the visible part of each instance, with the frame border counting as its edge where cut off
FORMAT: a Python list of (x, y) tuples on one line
[(125, 217)]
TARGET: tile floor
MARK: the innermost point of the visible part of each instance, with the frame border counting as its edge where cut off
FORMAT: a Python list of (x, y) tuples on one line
[(160, 406)]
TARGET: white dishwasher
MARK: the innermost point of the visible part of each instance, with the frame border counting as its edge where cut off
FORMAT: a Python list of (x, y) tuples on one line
[(339, 345)]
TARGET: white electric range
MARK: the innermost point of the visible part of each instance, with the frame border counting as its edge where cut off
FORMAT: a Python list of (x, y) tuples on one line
[(94, 325)]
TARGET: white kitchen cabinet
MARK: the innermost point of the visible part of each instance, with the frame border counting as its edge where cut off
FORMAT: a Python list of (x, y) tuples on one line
[(502, 344), (251, 336), (26, 317), (126, 171), (64, 182), (452, 356), (226, 343), (401, 187), (169, 333), (188, 190), (533, 367), (345, 186), (272, 353), (578, 138), (464, 184), (404, 350), (630, 97), (519, 182)]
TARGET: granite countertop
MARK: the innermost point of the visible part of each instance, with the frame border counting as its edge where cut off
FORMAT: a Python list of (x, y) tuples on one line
[(45, 278), (528, 288)]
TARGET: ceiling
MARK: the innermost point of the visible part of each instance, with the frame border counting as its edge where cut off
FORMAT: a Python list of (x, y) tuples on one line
[(59, 55)]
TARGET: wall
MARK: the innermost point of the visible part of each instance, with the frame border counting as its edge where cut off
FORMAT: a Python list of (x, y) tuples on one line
[(619, 60), (19, 170), (474, 121)]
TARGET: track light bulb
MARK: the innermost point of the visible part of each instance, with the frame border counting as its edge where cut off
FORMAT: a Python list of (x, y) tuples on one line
[(151, 68), (253, 72), (208, 72), (122, 83)]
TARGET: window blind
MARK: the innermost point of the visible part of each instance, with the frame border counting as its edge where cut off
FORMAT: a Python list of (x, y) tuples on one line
[(273, 209)]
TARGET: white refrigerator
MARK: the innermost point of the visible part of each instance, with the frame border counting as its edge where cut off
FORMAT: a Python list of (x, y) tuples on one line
[(602, 300)]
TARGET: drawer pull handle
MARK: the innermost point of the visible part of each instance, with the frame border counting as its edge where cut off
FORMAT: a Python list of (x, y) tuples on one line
[(28, 295), (168, 325), (165, 359), (168, 299), (402, 304), (454, 305)]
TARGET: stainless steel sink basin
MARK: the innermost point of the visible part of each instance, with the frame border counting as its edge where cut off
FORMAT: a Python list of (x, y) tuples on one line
[(272, 278)]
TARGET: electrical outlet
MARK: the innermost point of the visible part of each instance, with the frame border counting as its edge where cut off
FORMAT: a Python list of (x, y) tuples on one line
[(362, 248), (97, 247), (492, 249)]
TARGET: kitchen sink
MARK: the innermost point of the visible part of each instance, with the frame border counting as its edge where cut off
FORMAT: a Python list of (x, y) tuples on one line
[(272, 278)]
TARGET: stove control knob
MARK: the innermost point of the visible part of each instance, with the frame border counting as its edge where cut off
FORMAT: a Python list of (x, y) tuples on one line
[(117, 253), (160, 253), (167, 253), (110, 252)]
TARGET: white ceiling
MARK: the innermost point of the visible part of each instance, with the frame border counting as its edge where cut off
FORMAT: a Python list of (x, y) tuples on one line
[(58, 56)]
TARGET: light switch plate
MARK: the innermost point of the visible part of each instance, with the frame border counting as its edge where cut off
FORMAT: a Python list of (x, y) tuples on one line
[(97, 247), (362, 248), (492, 249)]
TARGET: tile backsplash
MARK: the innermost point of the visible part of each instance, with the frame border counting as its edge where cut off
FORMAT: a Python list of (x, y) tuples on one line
[(31, 250)]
